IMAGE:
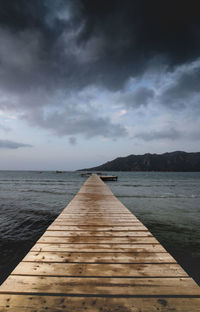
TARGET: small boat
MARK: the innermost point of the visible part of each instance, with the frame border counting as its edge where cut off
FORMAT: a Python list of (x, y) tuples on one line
[(86, 174), (108, 178)]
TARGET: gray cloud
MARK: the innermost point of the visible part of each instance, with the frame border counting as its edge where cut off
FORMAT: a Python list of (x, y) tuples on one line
[(169, 134), (12, 145), (72, 122), (72, 141), (5, 128), (138, 97)]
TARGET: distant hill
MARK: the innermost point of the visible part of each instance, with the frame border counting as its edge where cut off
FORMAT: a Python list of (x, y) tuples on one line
[(175, 161)]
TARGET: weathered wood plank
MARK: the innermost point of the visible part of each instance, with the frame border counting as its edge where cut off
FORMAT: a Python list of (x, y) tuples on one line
[(95, 202), (104, 201), (100, 257), (84, 208), (96, 234), (101, 270), (100, 286), (27, 303), (99, 247), (94, 218), (97, 214), (93, 240), (89, 216), (91, 212), (97, 228), (95, 223), (93, 191)]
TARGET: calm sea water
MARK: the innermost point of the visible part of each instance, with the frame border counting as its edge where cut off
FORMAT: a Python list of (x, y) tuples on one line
[(167, 203)]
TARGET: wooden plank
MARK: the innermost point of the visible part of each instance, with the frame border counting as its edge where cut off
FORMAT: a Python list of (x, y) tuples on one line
[(27, 303), (110, 221), (98, 228), (94, 240), (93, 191), (101, 286), (105, 201), (100, 257), (99, 218), (99, 247), (94, 212), (94, 202), (97, 234), (97, 214), (85, 207), (93, 222), (100, 270)]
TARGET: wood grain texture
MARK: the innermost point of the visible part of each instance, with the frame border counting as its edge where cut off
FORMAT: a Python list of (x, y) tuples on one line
[(91, 234), (93, 269), (95, 304), (99, 257), (99, 247), (127, 229), (101, 286), (97, 240)]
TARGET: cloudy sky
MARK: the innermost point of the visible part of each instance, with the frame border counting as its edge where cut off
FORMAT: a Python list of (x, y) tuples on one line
[(84, 81)]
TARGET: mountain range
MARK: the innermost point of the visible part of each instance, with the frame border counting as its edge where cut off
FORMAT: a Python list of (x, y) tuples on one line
[(175, 161)]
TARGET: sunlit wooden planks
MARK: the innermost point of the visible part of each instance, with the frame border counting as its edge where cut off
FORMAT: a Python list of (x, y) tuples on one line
[(96, 234), (125, 229), (96, 240), (97, 256), (96, 304), (101, 270), (99, 247), (123, 286)]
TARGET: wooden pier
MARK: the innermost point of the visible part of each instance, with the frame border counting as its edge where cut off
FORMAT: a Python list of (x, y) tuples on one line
[(97, 256)]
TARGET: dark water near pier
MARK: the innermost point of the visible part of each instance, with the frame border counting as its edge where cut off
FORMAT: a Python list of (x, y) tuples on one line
[(167, 203)]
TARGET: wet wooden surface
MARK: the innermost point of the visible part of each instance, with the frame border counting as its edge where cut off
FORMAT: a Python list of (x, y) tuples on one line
[(97, 256)]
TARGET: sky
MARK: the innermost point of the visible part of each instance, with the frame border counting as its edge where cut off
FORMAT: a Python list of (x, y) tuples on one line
[(83, 81)]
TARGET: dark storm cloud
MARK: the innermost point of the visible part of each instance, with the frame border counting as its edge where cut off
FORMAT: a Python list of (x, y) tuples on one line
[(12, 145), (42, 64), (50, 50), (78, 42), (184, 89), (134, 32)]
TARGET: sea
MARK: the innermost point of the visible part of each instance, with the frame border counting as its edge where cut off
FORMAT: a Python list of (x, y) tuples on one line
[(168, 203)]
